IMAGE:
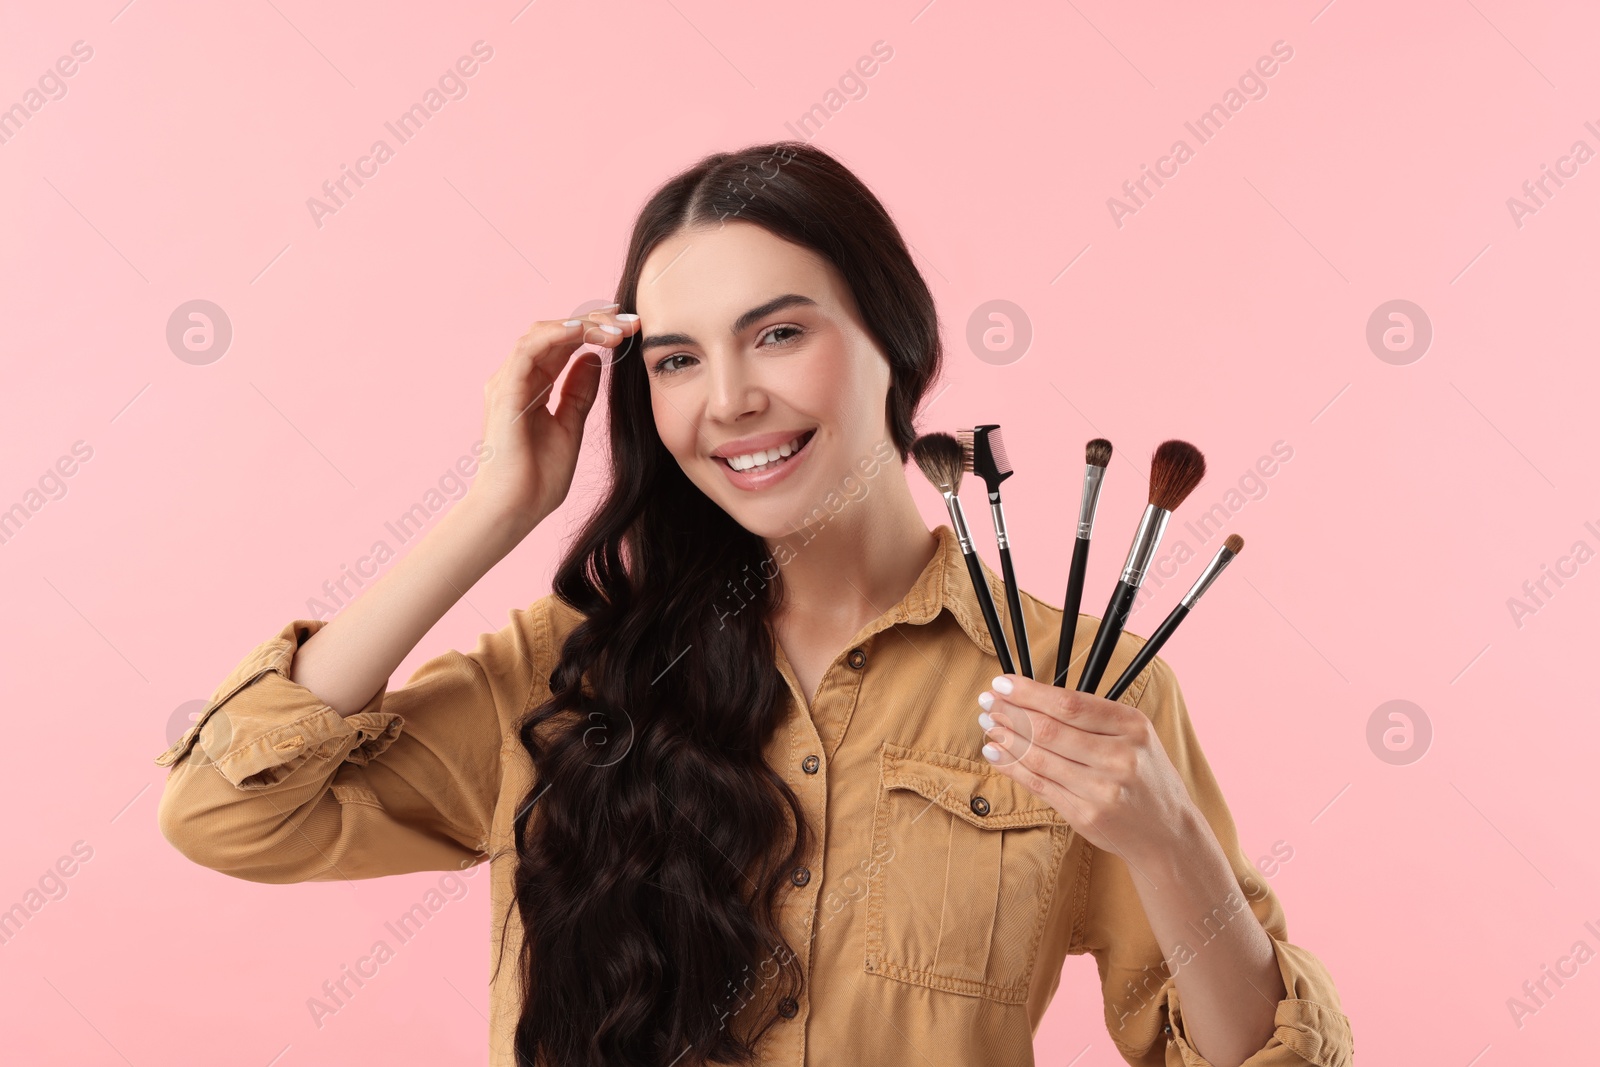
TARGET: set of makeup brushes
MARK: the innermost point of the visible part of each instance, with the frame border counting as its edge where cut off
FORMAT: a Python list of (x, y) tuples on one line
[(1175, 469)]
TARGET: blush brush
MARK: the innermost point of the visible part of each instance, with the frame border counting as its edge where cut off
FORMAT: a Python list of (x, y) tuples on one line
[(938, 455), (983, 453), (1096, 457), (1175, 469), (1230, 548)]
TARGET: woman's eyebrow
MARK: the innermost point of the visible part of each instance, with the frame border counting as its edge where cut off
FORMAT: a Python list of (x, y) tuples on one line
[(740, 324)]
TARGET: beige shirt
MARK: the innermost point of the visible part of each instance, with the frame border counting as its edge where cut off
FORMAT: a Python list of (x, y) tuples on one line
[(942, 900)]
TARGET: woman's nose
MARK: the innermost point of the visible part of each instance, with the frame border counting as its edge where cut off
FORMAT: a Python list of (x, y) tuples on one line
[(733, 392)]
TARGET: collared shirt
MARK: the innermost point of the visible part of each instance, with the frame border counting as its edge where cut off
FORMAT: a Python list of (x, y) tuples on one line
[(941, 900)]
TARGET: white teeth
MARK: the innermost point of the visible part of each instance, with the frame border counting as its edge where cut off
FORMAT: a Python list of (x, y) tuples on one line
[(764, 457)]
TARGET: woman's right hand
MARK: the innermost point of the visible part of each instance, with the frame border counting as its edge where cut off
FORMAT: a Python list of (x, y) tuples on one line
[(534, 447)]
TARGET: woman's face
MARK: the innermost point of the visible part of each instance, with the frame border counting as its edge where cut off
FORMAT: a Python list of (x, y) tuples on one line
[(752, 343)]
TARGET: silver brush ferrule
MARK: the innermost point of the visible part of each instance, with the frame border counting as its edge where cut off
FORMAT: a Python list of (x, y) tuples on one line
[(999, 521), (1151, 526), (1092, 476), (1207, 576), (958, 520)]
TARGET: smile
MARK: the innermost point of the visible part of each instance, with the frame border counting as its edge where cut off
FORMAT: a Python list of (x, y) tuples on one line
[(769, 458), (757, 470)]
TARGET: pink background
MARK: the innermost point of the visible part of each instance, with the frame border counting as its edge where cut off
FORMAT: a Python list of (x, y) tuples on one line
[(1230, 310)]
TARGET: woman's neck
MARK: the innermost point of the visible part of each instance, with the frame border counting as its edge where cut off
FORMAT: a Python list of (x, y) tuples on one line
[(840, 576)]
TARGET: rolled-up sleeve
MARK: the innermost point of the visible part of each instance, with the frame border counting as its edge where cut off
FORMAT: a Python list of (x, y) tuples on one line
[(1143, 1011), (272, 785)]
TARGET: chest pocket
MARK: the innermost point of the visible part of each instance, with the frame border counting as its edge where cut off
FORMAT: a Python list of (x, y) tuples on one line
[(966, 866)]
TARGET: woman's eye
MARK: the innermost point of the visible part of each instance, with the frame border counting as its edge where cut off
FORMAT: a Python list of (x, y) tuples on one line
[(777, 336), (662, 367), (793, 331)]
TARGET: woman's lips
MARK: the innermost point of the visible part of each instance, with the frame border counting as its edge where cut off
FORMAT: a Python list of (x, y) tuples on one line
[(771, 475)]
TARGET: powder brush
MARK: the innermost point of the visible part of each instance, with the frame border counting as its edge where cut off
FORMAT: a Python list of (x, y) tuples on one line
[(1230, 548), (938, 455), (1096, 457), (984, 453), (1175, 469)]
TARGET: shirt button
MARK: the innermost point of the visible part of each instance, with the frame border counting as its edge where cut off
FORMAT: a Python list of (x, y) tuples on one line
[(810, 764), (980, 806), (787, 1007), (858, 658), (801, 875)]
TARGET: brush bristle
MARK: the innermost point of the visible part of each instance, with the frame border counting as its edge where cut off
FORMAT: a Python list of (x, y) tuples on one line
[(1097, 453), (968, 450), (938, 456), (1175, 469), (1234, 543), (997, 450)]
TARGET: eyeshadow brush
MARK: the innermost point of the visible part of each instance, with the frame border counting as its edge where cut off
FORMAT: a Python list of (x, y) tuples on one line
[(984, 453), (1175, 469), (1096, 457), (1230, 548), (938, 455)]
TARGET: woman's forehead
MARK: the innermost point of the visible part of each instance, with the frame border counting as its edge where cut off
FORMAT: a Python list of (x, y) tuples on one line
[(715, 274)]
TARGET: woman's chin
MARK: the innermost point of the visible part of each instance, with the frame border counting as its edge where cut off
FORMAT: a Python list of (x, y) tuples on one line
[(775, 520)]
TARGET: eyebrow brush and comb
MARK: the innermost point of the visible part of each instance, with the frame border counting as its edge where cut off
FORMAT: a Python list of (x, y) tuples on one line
[(1176, 468)]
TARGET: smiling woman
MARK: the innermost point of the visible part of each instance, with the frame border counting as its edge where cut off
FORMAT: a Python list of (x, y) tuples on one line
[(767, 834)]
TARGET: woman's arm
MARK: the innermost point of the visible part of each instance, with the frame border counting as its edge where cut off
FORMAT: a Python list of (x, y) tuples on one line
[(1222, 960), (304, 765), (532, 453), (354, 655), (1181, 926)]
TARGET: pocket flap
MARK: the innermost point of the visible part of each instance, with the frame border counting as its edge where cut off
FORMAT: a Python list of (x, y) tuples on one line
[(966, 787)]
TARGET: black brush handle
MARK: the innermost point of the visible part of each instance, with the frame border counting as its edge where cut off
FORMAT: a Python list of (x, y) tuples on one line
[(1105, 638), (1148, 652), (986, 602), (1014, 603), (1069, 610)]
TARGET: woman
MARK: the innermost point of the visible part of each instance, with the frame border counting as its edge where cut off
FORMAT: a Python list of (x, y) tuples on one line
[(732, 770)]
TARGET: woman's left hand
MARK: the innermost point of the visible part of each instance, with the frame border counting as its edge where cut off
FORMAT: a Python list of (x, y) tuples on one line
[(1098, 762)]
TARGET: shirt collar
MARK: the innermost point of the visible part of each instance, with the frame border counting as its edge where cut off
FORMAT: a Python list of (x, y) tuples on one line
[(945, 585)]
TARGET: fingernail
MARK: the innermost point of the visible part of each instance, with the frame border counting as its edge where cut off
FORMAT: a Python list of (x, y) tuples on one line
[(573, 322), (986, 700), (627, 316), (608, 328), (986, 721), (1001, 684), (991, 753), (613, 304)]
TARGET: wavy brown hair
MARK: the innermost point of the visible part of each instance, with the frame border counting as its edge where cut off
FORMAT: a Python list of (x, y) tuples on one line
[(655, 842)]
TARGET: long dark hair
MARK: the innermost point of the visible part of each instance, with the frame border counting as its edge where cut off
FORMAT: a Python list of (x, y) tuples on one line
[(656, 841)]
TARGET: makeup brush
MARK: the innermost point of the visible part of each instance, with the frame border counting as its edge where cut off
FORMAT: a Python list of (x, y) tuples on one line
[(939, 457), (1175, 469), (984, 454), (1230, 548), (1096, 457)]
